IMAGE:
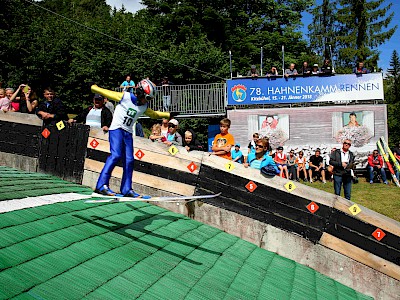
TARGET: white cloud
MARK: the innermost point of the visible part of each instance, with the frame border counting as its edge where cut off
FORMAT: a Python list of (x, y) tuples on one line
[(130, 5)]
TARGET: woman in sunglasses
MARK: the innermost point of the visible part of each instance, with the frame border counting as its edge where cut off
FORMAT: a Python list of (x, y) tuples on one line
[(260, 157), (131, 106)]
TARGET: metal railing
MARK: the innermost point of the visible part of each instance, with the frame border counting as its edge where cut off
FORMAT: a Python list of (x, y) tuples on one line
[(191, 100)]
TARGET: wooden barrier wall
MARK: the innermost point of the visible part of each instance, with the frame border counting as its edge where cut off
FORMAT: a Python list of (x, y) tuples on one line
[(330, 240)]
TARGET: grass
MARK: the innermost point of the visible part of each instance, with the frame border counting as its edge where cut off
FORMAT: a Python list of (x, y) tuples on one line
[(382, 198)]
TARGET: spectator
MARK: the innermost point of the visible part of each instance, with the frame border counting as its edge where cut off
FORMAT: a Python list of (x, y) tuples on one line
[(315, 69), (164, 127), (252, 145), (128, 84), (52, 109), (342, 161), (280, 160), (191, 142), (96, 115), (4, 101), (224, 141), (291, 71), (28, 100), (156, 134), (273, 72), (109, 105), (291, 165), (329, 167), (360, 69), (305, 69), (139, 129), (260, 158), (326, 68), (173, 136), (237, 155), (14, 100), (375, 164), (253, 72), (316, 166), (353, 120), (301, 166), (166, 92)]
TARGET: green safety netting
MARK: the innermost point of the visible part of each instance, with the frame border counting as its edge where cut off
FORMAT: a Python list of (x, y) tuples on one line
[(74, 250)]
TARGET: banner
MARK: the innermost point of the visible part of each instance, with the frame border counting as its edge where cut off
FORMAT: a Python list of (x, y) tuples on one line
[(274, 90)]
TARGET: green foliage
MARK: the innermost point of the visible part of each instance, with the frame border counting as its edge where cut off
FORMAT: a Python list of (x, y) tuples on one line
[(354, 30), (392, 98)]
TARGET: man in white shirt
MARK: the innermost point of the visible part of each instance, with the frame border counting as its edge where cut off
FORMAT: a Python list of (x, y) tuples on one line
[(342, 161)]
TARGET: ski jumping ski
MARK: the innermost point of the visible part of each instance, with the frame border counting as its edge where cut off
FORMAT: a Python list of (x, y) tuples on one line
[(389, 165), (391, 155), (120, 198)]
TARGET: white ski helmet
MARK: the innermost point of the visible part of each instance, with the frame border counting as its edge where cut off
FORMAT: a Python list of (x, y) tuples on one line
[(147, 89)]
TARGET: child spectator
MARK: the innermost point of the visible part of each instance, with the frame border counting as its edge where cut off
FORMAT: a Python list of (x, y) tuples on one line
[(291, 164), (224, 141), (237, 155), (280, 160), (156, 134), (301, 166), (252, 144), (4, 101), (173, 137), (191, 142), (260, 158)]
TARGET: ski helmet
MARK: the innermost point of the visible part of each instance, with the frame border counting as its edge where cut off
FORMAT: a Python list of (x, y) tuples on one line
[(147, 89)]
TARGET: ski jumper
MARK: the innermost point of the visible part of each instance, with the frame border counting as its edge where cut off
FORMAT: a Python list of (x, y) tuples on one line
[(121, 135)]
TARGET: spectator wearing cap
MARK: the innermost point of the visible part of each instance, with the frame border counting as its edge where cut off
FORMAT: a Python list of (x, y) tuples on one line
[(173, 136), (315, 69), (96, 115), (273, 72), (253, 72), (237, 155)]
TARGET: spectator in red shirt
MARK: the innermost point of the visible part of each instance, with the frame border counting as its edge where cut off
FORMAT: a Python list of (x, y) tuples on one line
[(375, 164)]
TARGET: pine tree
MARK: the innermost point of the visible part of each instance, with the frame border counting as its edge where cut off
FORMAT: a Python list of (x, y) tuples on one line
[(353, 28), (393, 79), (322, 30), (362, 27)]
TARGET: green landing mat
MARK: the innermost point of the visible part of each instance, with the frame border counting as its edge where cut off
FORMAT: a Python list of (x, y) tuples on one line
[(71, 250)]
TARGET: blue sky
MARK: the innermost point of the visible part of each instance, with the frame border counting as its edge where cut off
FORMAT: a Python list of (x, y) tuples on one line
[(385, 49)]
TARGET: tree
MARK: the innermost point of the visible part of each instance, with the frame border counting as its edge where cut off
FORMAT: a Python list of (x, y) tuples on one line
[(322, 30), (392, 97), (354, 29)]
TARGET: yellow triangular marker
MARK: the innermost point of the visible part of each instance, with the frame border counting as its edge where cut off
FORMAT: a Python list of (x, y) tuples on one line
[(355, 209), (290, 186), (229, 166), (173, 150), (60, 125)]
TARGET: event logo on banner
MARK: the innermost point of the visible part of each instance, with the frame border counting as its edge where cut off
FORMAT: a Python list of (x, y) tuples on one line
[(264, 90)]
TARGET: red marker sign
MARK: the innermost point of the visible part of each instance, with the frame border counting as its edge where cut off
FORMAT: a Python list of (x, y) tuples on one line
[(312, 207), (94, 143), (139, 154), (192, 167), (45, 133), (378, 234), (251, 186)]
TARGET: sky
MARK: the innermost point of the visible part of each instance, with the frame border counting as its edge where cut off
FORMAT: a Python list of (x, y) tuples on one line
[(385, 49)]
